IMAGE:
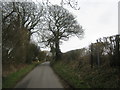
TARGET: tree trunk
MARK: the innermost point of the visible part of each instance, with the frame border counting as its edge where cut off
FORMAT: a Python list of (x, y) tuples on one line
[(57, 51)]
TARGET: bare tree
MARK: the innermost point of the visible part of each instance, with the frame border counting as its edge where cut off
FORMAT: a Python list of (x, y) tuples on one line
[(18, 22), (25, 14), (72, 3), (61, 25)]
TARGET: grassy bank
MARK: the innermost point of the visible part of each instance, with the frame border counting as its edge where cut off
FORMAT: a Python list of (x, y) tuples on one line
[(69, 75), (10, 80), (85, 77)]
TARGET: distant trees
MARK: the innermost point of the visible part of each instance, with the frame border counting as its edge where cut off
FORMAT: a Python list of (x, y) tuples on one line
[(61, 25), (42, 55), (75, 54), (32, 53)]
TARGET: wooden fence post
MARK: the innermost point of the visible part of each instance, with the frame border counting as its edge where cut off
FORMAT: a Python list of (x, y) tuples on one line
[(117, 52), (98, 55), (91, 59)]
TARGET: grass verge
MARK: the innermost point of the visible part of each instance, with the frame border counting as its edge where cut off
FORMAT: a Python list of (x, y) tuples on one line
[(85, 77), (11, 80), (69, 75)]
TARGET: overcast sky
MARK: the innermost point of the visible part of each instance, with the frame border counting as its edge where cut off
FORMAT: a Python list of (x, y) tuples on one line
[(99, 18)]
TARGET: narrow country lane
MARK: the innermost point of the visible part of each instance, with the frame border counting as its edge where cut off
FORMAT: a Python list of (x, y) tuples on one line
[(41, 77)]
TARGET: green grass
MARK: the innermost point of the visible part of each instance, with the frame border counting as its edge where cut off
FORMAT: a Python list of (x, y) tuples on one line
[(85, 77), (69, 75), (11, 80)]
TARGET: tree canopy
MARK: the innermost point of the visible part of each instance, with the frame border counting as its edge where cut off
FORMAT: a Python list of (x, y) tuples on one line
[(60, 25), (21, 19)]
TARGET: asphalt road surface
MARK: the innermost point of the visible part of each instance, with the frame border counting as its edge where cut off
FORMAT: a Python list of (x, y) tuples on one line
[(40, 77)]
